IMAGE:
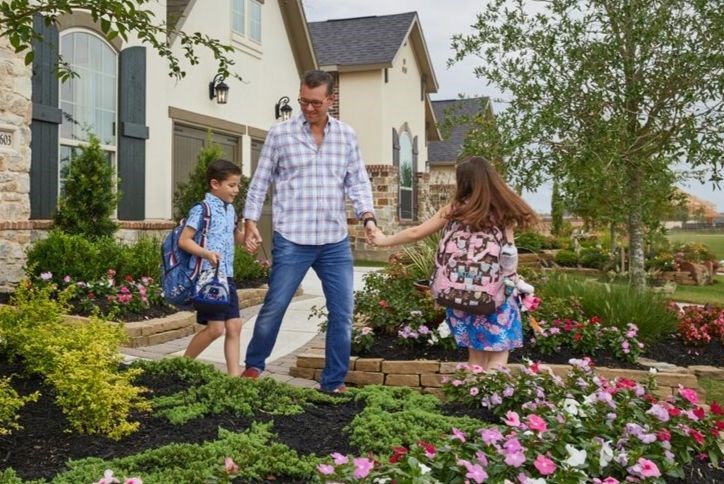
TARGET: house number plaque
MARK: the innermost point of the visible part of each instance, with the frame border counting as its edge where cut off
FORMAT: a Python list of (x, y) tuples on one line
[(7, 139)]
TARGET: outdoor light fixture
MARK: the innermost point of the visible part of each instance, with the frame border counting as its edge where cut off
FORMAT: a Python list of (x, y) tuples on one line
[(282, 109), (218, 89)]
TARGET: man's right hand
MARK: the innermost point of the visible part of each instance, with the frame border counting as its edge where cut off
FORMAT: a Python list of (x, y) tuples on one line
[(252, 237)]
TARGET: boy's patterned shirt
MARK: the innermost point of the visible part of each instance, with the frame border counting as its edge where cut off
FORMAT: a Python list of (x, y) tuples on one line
[(310, 182), (220, 237)]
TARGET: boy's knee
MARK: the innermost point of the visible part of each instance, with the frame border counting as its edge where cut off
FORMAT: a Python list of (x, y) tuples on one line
[(215, 330)]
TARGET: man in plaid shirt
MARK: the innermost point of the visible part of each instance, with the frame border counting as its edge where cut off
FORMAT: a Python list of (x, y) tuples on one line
[(314, 162)]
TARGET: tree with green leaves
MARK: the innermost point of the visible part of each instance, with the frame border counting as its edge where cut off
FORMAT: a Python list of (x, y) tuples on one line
[(608, 97), (88, 197), (116, 18)]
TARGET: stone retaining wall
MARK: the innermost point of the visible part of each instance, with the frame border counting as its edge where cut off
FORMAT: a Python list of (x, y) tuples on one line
[(181, 324), (427, 375)]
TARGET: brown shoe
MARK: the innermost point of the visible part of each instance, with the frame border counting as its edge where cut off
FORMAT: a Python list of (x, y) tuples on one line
[(251, 372)]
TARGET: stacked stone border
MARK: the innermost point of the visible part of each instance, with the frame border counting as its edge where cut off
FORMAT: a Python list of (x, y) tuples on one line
[(427, 375), (161, 330)]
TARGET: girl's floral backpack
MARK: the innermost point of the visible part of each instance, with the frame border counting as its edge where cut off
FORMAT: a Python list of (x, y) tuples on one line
[(470, 268)]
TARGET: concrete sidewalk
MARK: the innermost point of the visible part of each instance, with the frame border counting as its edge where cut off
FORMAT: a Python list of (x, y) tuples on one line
[(297, 331)]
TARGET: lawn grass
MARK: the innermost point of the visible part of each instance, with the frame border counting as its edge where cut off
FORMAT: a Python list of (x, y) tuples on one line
[(714, 389), (715, 240), (713, 294), (370, 263)]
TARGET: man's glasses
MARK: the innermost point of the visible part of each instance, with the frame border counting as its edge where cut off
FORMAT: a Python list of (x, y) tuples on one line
[(316, 104)]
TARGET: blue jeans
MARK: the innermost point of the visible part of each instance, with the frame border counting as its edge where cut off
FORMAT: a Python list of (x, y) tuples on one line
[(290, 263)]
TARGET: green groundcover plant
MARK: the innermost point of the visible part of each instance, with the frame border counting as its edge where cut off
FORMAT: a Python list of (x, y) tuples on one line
[(581, 428)]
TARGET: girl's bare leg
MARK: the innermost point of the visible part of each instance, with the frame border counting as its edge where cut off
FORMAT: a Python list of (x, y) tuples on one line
[(497, 358)]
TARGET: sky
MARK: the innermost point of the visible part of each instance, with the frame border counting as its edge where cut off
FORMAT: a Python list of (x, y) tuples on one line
[(440, 20)]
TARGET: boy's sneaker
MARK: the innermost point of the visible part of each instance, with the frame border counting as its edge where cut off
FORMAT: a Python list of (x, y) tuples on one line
[(251, 372)]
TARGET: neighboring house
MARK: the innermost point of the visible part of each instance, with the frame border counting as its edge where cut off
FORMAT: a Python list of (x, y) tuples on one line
[(385, 77), (151, 125), (443, 155)]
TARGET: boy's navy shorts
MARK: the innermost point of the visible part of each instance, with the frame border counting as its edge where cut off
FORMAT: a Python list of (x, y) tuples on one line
[(232, 312)]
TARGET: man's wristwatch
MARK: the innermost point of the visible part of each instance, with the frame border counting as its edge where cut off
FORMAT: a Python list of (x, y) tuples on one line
[(367, 219)]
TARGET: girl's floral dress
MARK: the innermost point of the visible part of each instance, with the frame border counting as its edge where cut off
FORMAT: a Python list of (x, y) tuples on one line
[(500, 331)]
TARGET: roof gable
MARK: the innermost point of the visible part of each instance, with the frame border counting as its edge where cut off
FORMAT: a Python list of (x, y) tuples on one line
[(361, 40), (448, 149)]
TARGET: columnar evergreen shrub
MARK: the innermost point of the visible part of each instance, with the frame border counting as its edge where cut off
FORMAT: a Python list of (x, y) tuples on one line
[(89, 196)]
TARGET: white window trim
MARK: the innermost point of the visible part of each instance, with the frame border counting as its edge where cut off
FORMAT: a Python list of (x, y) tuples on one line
[(75, 143), (405, 132), (243, 41)]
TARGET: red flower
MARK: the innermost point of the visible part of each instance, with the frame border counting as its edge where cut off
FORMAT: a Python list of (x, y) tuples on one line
[(674, 412), (625, 383), (129, 278), (716, 409), (577, 337), (596, 320), (699, 412), (399, 452), (650, 398), (535, 367), (663, 435), (719, 424), (696, 435), (429, 448), (383, 304)]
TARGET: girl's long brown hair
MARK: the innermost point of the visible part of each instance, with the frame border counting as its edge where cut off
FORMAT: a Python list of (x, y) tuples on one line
[(482, 199)]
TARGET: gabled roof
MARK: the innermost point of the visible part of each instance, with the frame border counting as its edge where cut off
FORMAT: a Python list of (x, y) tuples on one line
[(176, 11), (364, 43), (446, 152)]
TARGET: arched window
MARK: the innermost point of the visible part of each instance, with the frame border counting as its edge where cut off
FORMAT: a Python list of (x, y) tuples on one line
[(89, 101), (406, 175)]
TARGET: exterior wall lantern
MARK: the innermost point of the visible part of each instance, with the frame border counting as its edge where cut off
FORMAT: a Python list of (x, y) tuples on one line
[(282, 109), (218, 89)]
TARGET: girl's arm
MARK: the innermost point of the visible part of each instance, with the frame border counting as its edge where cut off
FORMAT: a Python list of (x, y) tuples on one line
[(413, 234)]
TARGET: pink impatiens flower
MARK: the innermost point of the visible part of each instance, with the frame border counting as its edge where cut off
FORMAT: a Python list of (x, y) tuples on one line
[(362, 467), (325, 469), (536, 423), (644, 468), (108, 478), (512, 419), (458, 434), (339, 459), (230, 466), (544, 465), (690, 395)]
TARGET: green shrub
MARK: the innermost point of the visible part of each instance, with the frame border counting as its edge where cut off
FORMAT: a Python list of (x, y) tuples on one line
[(10, 404), (248, 268), (191, 192), (422, 255), (566, 258), (594, 258), (79, 360), (85, 259), (530, 241), (88, 199), (616, 304)]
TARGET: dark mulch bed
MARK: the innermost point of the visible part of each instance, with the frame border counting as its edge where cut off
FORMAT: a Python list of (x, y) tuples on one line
[(42, 447), (671, 350)]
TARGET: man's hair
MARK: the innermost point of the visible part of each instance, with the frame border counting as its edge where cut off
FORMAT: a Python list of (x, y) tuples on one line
[(317, 78), (482, 198), (220, 170)]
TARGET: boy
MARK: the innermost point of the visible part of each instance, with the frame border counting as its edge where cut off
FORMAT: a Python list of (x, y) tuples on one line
[(223, 179)]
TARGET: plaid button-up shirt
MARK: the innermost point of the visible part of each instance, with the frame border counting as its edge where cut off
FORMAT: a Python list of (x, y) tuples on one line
[(310, 182)]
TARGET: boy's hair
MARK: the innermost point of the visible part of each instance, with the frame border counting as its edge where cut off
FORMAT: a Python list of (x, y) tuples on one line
[(220, 170), (317, 78), (483, 199)]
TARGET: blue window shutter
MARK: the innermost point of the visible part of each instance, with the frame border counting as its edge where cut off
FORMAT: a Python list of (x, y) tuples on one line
[(45, 122), (132, 133)]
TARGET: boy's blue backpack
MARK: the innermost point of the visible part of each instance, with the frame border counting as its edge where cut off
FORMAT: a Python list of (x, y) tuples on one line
[(178, 272)]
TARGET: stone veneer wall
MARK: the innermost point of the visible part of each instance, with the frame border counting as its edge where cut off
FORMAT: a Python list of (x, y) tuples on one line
[(385, 182), (15, 117)]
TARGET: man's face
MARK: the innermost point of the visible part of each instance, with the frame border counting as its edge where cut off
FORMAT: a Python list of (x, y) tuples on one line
[(314, 103)]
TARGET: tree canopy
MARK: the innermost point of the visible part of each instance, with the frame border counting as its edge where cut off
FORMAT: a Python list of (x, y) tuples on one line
[(116, 18), (608, 98)]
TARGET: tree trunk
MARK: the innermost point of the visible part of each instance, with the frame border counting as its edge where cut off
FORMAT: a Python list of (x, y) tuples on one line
[(613, 245), (635, 232)]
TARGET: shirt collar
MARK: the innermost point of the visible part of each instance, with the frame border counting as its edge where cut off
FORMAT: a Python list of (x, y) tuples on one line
[(214, 201), (331, 121)]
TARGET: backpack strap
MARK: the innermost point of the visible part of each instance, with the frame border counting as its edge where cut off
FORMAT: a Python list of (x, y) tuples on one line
[(202, 241), (508, 235)]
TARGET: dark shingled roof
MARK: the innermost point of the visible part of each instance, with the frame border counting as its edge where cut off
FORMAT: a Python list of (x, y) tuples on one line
[(360, 41), (448, 149)]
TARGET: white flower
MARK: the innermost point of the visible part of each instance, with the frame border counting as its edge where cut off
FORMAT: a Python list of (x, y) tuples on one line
[(443, 330), (605, 455), (424, 469), (576, 458), (539, 480), (570, 406)]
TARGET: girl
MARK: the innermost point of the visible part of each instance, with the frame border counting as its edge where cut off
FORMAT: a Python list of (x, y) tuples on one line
[(484, 209)]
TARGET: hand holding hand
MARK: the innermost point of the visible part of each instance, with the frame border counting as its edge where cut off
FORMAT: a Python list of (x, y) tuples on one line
[(252, 237), (377, 239)]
